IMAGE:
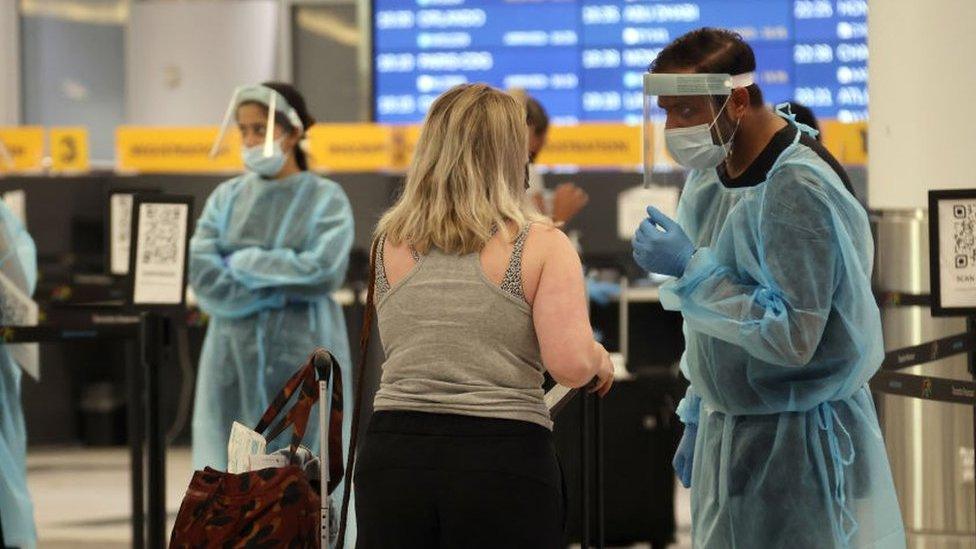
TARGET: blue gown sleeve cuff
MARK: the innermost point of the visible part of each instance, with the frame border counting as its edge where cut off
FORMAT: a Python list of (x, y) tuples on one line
[(689, 408), (700, 266)]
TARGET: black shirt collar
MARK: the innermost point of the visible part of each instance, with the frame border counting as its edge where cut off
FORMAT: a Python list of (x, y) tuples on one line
[(758, 171)]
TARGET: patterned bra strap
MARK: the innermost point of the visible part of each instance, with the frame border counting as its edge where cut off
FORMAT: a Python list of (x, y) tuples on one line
[(512, 283), (382, 283)]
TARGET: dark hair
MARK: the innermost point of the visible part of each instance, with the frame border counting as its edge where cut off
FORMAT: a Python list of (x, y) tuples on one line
[(710, 50), (535, 115), (804, 116), (297, 102)]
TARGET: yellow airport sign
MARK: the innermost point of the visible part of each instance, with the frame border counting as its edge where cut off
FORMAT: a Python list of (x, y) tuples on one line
[(69, 149), (22, 149), (847, 141), (175, 150), (352, 147), (593, 146)]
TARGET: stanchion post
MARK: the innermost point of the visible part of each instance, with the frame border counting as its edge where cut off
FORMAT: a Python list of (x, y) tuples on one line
[(971, 329), (157, 340), (136, 423)]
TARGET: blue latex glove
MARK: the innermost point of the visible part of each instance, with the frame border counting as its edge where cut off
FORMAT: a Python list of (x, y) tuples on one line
[(684, 457), (601, 292), (663, 251)]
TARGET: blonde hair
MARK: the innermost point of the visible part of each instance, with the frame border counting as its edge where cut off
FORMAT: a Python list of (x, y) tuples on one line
[(467, 175)]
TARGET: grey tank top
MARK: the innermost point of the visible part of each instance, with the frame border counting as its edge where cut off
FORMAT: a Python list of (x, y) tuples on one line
[(456, 343)]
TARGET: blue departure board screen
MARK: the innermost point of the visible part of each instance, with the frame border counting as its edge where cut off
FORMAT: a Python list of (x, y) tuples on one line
[(583, 59)]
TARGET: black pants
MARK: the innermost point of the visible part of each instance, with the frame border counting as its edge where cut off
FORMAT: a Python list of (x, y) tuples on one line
[(435, 480)]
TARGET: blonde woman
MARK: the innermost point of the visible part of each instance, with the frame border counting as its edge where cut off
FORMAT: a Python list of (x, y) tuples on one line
[(476, 297)]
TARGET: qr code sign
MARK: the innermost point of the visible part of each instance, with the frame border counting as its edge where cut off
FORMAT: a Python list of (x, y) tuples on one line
[(162, 223), (964, 234)]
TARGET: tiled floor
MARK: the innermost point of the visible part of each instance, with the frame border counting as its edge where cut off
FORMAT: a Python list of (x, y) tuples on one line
[(81, 496)]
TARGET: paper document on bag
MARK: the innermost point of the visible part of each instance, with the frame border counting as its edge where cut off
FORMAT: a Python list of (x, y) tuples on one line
[(18, 309), (632, 207), (264, 461), (244, 443)]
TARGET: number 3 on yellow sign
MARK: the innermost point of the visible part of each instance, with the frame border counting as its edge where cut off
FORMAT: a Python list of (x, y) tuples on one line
[(69, 149)]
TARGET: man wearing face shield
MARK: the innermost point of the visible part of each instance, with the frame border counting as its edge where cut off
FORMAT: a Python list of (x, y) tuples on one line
[(268, 251), (772, 259)]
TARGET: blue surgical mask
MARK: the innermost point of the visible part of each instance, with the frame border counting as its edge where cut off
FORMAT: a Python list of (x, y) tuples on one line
[(265, 166), (694, 148)]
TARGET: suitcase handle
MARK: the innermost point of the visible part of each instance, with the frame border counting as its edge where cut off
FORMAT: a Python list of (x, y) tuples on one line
[(320, 366)]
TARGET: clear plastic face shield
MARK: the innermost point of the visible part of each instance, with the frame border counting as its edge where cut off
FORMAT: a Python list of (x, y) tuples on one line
[(274, 101), (691, 105)]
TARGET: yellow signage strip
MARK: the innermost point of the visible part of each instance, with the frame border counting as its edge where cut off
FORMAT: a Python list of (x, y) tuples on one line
[(24, 148), (175, 150), (340, 148), (593, 146), (352, 148), (848, 142), (406, 138), (585, 146), (69, 149)]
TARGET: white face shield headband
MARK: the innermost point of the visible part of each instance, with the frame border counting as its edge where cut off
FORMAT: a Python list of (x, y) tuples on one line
[(274, 101)]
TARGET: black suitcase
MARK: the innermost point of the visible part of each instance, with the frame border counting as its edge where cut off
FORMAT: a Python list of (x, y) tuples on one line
[(640, 434)]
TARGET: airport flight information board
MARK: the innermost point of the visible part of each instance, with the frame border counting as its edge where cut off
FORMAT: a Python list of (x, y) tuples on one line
[(583, 59)]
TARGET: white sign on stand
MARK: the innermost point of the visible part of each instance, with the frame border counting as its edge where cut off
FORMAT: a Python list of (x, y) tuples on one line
[(632, 207), (120, 227), (161, 226)]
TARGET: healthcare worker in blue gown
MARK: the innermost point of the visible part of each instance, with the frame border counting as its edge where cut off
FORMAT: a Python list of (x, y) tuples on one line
[(18, 263), (269, 249), (772, 259)]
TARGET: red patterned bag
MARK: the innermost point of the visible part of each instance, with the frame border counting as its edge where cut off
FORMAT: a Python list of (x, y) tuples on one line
[(273, 507)]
